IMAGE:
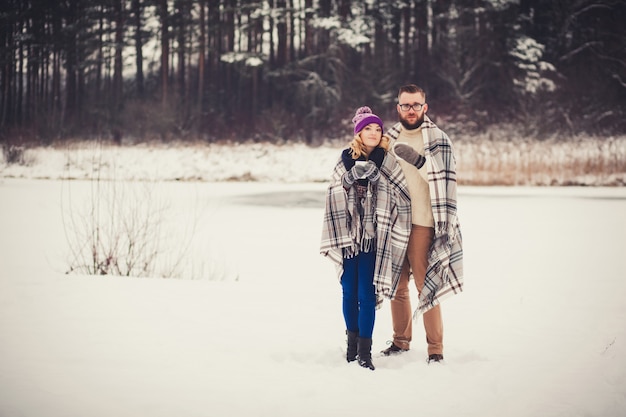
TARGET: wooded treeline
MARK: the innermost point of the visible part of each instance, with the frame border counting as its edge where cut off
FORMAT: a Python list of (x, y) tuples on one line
[(297, 69)]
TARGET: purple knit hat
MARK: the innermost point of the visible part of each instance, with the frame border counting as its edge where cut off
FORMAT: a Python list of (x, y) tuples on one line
[(363, 117)]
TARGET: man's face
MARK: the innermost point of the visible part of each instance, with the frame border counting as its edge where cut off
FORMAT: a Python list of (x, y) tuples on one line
[(409, 116)]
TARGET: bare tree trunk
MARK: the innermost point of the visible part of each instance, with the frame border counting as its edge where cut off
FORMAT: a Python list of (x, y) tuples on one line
[(292, 32), (272, 42), (308, 28), (422, 66), (407, 55), (165, 52), (119, 46), (229, 23), (281, 30), (20, 80), (100, 54), (32, 52), (180, 30), (323, 38), (139, 78), (214, 51), (56, 72), (229, 42), (6, 39), (118, 85), (71, 62), (201, 58), (380, 39)]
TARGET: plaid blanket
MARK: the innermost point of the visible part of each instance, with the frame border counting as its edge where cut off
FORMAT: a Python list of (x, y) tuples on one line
[(392, 217), (444, 275)]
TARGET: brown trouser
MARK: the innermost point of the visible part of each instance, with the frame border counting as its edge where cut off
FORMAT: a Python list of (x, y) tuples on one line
[(401, 313)]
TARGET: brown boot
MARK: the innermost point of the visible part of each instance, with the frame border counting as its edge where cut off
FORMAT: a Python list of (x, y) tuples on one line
[(393, 350)]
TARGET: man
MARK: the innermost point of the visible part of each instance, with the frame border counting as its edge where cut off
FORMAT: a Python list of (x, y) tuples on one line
[(434, 256)]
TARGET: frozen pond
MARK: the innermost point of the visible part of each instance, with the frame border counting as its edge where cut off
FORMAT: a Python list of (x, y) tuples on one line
[(255, 326)]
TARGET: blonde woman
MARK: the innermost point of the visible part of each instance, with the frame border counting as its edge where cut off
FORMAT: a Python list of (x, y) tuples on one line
[(366, 229)]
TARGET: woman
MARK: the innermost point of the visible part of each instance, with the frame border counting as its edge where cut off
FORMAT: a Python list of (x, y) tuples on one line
[(366, 229)]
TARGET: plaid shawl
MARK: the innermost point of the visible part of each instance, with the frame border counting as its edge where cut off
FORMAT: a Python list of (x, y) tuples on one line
[(444, 275), (392, 217)]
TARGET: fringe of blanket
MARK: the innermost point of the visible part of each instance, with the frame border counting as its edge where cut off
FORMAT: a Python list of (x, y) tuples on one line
[(367, 245)]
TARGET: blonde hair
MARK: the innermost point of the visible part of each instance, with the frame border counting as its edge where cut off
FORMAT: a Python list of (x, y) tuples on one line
[(357, 148)]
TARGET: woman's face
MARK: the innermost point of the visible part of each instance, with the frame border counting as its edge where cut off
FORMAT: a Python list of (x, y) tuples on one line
[(371, 136)]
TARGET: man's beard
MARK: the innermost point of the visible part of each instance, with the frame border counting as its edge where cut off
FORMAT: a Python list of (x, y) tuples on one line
[(412, 126)]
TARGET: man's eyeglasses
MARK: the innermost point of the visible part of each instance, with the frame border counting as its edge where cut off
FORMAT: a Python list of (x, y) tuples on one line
[(415, 107)]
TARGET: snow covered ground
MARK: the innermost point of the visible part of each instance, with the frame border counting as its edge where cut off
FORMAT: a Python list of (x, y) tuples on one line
[(493, 158), (257, 330)]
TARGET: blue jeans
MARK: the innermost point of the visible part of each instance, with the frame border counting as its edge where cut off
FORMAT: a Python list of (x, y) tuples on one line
[(359, 297)]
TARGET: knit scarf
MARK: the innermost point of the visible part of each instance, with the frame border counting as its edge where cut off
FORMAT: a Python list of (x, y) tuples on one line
[(360, 218)]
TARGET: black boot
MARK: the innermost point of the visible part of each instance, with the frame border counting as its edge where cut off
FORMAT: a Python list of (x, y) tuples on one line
[(365, 353), (351, 351)]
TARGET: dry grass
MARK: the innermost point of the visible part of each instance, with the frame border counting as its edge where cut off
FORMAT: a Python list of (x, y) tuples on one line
[(583, 161), (500, 156)]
